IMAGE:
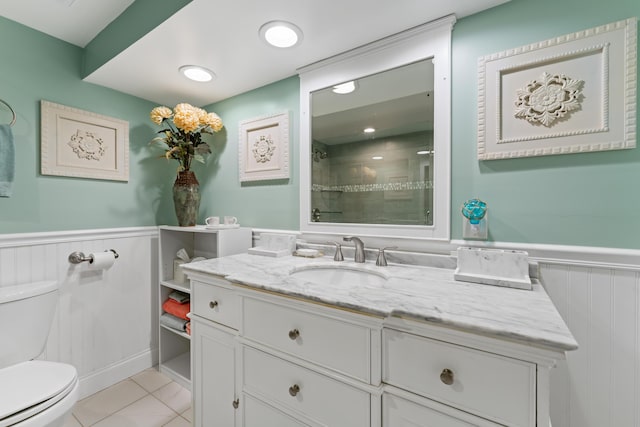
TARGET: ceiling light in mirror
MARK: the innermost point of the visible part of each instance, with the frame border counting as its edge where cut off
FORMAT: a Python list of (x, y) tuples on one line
[(344, 88), (377, 158), (281, 34), (369, 130), (197, 73)]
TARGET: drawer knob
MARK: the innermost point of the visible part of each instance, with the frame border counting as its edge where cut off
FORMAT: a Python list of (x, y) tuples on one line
[(294, 389), (294, 333), (236, 403), (213, 304), (446, 376)]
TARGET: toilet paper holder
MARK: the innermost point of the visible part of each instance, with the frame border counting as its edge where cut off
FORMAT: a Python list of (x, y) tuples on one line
[(77, 257)]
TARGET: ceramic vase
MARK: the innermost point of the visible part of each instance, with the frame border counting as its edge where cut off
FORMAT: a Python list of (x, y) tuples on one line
[(186, 198)]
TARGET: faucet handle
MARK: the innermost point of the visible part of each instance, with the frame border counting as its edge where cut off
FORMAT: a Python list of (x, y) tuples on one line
[(338, 256), (381, 261)]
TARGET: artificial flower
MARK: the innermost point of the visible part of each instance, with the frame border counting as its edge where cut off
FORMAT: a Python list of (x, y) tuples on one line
[(182, 135)]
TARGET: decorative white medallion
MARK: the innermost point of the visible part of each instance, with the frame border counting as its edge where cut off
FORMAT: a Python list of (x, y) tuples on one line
[(263, 149), (87, 145), (549, 98)]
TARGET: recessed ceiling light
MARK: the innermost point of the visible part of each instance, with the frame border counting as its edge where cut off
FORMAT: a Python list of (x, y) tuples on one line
[(197, 73), (377, 158), (281, 34), (344, 88), (369, 130)]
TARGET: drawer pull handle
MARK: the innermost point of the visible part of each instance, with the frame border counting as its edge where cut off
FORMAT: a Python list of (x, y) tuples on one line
[(446, 376), (236, 403), (294, 333), (294, 389), (213, 304)]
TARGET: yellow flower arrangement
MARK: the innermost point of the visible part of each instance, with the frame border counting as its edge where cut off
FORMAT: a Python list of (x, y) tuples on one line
[(182, 136)]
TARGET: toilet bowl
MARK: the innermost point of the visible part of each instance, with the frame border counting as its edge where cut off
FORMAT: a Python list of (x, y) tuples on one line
[(33, 393)]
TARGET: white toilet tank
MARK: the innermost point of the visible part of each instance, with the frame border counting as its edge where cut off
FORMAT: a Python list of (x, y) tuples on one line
[(26, 313)]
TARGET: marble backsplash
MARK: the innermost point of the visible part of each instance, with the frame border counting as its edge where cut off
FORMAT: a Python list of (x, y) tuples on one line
[(422, 259)]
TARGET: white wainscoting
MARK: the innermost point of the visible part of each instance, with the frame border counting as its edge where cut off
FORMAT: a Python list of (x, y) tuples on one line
[(599, 384), (106, 322)]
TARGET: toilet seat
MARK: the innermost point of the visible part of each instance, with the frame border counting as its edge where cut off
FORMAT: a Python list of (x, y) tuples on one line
[(28, 388)]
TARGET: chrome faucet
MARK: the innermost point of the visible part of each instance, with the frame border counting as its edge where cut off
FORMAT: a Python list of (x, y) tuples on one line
[(359, 257)]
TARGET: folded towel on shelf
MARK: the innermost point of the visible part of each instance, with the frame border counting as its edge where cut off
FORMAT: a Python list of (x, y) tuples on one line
[(180, 296), (188, 328), (174, 307), (7, 161), (173, 322)]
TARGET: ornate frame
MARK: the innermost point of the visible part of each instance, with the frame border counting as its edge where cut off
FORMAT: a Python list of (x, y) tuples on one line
[(571, 94), (264, 148), (82, 144)]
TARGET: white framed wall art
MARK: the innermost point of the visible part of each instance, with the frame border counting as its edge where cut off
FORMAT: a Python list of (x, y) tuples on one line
[(571, 94), (82, 144), (264, 148)]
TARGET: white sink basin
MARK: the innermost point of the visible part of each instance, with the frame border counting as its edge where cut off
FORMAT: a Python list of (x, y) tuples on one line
[(329, 275)]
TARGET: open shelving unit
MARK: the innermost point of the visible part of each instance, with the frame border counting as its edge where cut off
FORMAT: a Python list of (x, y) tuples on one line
[(174, 345)]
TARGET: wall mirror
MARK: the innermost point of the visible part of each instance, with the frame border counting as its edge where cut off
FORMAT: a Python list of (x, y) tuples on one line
[(375, 138), (372, 149)]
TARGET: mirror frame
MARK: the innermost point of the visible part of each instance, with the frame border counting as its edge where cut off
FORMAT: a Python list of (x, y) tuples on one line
[(430, 40)]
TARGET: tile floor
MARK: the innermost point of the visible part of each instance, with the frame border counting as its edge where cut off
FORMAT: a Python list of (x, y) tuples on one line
[(147, 399)]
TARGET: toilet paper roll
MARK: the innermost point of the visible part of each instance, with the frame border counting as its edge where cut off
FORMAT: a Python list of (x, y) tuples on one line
[(102, 260)]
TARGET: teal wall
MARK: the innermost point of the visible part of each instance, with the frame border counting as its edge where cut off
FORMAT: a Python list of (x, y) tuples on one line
[(259, 204), (586, 199), (579, 199), (35, 67)]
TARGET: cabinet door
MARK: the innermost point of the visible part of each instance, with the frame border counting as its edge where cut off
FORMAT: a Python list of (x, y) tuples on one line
[(398, 412), (214, 361)]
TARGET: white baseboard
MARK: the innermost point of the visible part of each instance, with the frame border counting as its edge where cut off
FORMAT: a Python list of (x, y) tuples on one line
[(110, 375)]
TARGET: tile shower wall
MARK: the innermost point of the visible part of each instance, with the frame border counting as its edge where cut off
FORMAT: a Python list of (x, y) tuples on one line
[(105, 324), (349, 186)]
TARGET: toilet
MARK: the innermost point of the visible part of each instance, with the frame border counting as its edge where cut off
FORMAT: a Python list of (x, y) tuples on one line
[(33, 393)]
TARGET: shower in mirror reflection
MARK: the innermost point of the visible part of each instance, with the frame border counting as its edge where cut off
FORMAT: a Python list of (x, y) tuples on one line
[(378, 142), (318, 155)]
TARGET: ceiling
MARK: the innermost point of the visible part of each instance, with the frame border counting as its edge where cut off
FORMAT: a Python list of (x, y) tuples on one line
[(394, 102), (223, 36)]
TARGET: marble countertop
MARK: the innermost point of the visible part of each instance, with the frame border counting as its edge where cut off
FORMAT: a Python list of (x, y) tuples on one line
[(420, 293)]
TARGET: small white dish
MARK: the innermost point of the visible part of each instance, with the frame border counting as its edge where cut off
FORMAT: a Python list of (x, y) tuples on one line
[(268, 252), (221, 226), (307, 252)]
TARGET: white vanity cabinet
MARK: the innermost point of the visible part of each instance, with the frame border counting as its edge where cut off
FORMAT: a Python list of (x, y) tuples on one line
[(447, 377), (215, 319), (214, 383), (262, 359), (316, 364)]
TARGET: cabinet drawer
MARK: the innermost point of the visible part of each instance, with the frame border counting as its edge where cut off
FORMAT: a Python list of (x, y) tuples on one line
[(327, 341), (259, 414), (491, 386), (398, 412), (215, 303), (322, 399)]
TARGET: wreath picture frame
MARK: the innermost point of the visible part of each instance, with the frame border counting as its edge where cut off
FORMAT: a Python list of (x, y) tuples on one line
[(264, 148), (570, 94), (82, 144)]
